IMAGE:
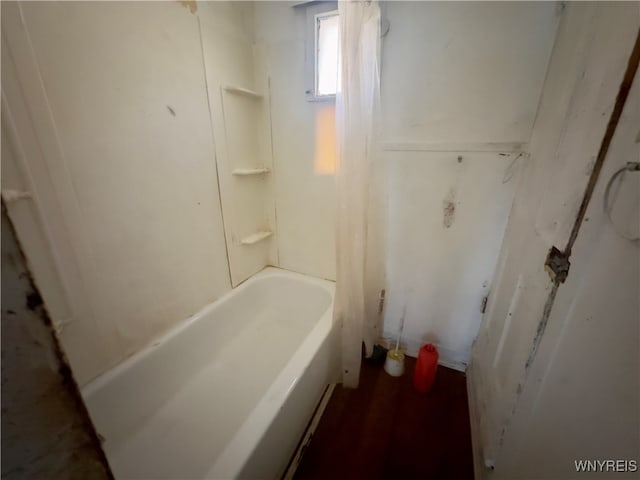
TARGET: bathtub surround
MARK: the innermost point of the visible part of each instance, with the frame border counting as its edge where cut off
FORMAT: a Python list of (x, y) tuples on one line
[(239, 102), (303, 144)]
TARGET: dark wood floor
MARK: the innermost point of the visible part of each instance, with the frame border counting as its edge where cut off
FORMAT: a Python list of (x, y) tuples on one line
[(385, 429)]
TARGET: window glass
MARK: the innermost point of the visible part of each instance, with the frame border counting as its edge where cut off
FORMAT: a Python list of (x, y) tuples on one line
[(327, 54)]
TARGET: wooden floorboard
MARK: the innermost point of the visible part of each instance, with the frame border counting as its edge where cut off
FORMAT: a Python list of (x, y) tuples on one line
[(385, 429)]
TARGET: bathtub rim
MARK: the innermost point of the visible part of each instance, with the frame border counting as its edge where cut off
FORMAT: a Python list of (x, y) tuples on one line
[(104, 378), (230, 462)]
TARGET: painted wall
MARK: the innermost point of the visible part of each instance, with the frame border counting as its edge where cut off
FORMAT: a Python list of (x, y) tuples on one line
[(444, 226), (111, 132), (535, 391), (464, 72), (465, 91)]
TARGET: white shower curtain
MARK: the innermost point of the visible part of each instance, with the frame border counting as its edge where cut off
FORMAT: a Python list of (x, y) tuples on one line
[(359, 261)]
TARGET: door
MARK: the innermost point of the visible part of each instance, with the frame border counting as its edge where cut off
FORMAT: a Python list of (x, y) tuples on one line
[(587, 67)]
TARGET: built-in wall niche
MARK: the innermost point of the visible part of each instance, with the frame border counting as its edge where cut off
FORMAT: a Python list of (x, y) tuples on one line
[(245, 171), (242, 110)]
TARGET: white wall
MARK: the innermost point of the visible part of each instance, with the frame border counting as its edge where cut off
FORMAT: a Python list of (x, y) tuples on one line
[(464, 72), (111, 132), (445, 224), (536, 411), (458, 79)]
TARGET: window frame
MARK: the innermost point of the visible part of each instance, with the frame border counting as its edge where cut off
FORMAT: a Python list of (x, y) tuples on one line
[(314, 13)]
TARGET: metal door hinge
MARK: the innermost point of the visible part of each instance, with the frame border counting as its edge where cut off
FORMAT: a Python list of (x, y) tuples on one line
[(381, 301), (557, 265)]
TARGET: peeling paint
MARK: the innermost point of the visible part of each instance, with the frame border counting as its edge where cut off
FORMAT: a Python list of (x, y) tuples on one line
[(33, 300), (543, 324), (190, 4), (46, 429)]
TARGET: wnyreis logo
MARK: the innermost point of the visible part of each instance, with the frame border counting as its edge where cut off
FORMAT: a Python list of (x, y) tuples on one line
[(606, 465)]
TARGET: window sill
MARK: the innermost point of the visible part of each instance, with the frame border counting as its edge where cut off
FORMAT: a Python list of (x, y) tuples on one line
[(320, 98)]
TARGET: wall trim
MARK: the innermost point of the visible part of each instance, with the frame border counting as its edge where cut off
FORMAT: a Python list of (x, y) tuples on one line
[(497, 147)]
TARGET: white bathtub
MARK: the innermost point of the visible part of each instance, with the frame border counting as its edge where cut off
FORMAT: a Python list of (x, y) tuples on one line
[(227, 394)]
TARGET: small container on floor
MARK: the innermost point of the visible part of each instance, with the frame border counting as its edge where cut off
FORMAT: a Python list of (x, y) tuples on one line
[(426, 367), (394, 364)]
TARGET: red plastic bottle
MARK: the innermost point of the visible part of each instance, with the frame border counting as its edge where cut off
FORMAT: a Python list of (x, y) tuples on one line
[(426, 366)]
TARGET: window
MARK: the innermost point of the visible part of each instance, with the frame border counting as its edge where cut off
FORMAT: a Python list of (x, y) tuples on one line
[(327, 54), (323, 51)]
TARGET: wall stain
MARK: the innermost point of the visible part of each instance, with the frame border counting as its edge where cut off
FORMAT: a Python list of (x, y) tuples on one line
[(190, 4), (449, 209), (171, 110), (34, 300), (46, 429)]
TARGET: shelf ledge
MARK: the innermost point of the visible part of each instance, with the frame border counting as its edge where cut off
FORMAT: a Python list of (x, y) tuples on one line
[(256, 237), (242, 91), (250, 171)]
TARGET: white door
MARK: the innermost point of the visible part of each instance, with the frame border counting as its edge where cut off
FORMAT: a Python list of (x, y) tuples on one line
[(590, 57)]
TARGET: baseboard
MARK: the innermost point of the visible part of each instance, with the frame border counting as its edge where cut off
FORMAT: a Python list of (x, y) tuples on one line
[(308, 433), (446, 357)]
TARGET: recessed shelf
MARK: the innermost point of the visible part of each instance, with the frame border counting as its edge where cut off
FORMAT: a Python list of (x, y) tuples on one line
[(250, 171), (256, 237), (242, 91)]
